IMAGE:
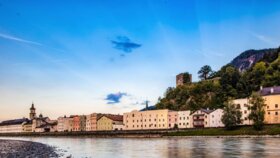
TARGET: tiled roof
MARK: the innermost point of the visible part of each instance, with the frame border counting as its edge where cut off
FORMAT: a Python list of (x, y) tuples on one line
[(270, 90), (14, 122), (113, 117)]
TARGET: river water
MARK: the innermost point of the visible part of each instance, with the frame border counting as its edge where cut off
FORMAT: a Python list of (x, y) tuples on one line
[(162, 147)]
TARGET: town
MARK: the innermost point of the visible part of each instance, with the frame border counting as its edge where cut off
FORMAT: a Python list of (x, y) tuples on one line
[(145, 119)]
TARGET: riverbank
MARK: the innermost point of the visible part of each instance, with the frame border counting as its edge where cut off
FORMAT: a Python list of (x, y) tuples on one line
[(242, 131), (23, 149)]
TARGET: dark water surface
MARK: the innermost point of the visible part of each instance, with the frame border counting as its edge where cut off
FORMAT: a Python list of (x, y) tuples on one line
[(163, 147)]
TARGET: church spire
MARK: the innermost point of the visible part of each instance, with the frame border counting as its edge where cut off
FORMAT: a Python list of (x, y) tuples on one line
[(32, 113)]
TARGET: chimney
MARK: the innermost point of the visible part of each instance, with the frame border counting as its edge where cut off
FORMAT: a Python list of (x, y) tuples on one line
[(271, 90)]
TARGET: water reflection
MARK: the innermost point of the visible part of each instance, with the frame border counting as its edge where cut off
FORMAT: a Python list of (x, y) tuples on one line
[(164, 147)]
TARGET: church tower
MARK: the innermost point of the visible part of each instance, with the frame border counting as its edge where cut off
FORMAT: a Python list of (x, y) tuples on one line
[(32, 114)]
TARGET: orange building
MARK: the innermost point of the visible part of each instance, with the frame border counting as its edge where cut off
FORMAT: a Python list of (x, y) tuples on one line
[(272, 101), (76, 123)]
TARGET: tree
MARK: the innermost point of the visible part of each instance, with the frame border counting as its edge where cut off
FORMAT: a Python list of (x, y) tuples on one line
[(257, 110), (187, 77), (204, 72), (232, 115)]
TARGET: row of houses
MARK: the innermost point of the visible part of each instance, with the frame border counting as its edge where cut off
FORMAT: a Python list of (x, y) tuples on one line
[(92, 122), (145, 119)]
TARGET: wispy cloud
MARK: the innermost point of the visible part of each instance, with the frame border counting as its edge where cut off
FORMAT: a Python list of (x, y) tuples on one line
[(17, 39), (264, 38)]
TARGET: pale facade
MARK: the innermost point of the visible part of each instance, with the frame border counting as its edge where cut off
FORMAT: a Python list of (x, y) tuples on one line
[(13, 126), (118, 127), (65, 124), (243, 105), (91, 121), (207, 118), (146, 120), (184, 119)]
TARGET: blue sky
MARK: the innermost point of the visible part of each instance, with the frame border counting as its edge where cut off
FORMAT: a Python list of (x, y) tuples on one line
[(61, 54)]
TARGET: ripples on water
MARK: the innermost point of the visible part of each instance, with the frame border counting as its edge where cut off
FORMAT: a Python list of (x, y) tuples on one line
[(164, 147)]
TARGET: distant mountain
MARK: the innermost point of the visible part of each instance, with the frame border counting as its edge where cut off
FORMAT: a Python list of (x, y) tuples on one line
[(248, 58)]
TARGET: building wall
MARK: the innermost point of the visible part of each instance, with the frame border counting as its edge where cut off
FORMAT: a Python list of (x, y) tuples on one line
[(184, 119), (198, 119), (27, 127), (215, 118), (244, 105), (11, 128), (65, 124), (104, 124), (76, 123), (118, 127), (82, 123), (91, 122), (272, 109), (151, 119), (172, 119)]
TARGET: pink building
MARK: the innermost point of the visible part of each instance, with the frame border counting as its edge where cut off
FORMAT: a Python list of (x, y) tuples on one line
[(173, 119)]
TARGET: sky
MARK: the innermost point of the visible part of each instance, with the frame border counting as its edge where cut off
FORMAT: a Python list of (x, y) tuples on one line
[(109, 56)]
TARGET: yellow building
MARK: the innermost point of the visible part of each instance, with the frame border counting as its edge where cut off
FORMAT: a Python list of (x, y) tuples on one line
[(106, 122), (272, 101), (150, 119)]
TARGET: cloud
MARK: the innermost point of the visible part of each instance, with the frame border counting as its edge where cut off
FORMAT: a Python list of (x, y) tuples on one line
[(114, 98), (124, 44), (264, 38), (17, 39)]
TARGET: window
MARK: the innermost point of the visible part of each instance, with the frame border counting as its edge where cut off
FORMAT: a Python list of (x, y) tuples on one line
[(276, 113), (180, 124), (169, 125), (245, 118), (268, 113), (132, 115), (276, 105), (187, 118), (184, 118), (155, 119), (238, 106), (183, 123), (267, 107), (212, 116), (155, 125)]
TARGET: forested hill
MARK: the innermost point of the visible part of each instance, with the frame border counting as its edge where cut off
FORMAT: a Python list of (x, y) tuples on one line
[(248, 58), (259, 68)]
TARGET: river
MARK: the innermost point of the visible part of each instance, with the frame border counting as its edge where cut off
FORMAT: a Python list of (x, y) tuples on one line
[(162, 147)]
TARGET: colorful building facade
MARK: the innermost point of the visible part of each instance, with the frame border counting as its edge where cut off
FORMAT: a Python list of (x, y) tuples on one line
[(184, 119), (146, 120), (106, 122)]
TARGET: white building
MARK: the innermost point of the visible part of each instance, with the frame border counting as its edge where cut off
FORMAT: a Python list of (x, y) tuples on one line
[(184, 119), (243, 105), (12, 126), (207, 118), (118, 127)]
